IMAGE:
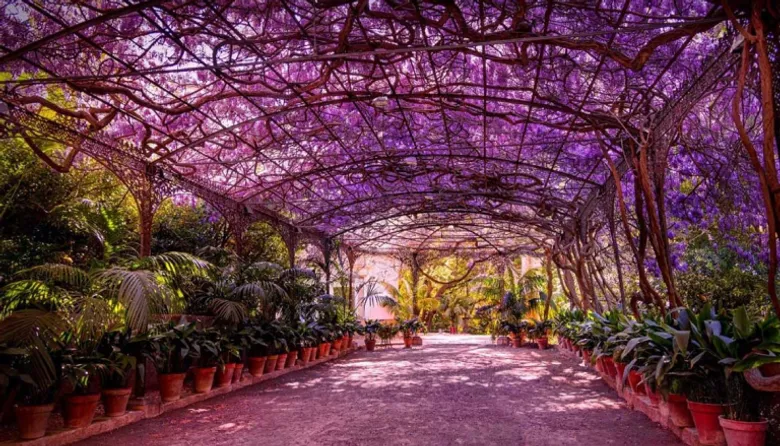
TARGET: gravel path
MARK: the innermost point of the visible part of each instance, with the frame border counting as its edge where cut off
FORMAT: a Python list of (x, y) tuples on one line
[(456, 390)]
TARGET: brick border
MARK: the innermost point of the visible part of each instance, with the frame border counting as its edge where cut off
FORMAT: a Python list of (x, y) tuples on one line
[(641, 403), (65, 436)]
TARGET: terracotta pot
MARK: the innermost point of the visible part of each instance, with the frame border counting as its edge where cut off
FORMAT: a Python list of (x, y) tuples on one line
[(621, 371), (705, 418), (678, 410), (204, 378), (291, 358), (224, 375), (303, 355), (79, 410), (744, 433), (171, 385), (416, 340), (600, 365), (370, 345), (517, 342), (586, 356), (769, 370), (282, 361), (33, 420), (238, 372), (115, 401), (407, 342), (256, 365), (328, 349), (349, 342), (335, 346), (270, 363), (655, 398), (634, 380), (610, 365), (542, 343)]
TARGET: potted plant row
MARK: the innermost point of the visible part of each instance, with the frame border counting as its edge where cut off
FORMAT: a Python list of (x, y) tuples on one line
[(691, 361)]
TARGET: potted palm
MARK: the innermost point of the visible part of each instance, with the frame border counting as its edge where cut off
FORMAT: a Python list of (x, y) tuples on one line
[(370, 330), (258, 349), (386, 333), (409, 328), (118, 382), (539, 333), (84, 375), (171, 353), (35, 382)]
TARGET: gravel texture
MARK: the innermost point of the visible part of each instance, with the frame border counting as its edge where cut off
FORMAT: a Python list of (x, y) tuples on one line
[(455, 390)]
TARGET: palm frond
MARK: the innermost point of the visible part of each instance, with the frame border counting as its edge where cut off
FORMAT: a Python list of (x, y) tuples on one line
[(38, 332), (140, 293), (228, 311), (175, 263), (57, 273)]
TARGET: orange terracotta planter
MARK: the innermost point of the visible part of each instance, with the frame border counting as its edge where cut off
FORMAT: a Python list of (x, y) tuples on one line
[(33, 420), (171, 385), (370, 345), (79, 410), (291, 358), (706, 419), (282, 361), (238, 372), (634, 379), (257, 365), (115, 401), (407, 342), (678, 410), (542, 343), (744, 433), (204, 379), (270, 363), (224, 375)]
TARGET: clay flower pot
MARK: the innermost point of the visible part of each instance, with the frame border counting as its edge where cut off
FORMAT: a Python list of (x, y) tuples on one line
[(634, 380), (291, 358), (312, 353), (115, 401), (542, 343), (238, 372), (79, 410), (705, 418), (770, 370), (33, 420), (621, 370), (744, 433), (416, 340), (655, 398), (256, 365), (517, 341), (370, 345), (609, 363), (336, 345), (204, 378), (407, 342), (282, 361), (678, 410), (171, 385), (586, 356), (224, 375), (303, 355), (270, 363)]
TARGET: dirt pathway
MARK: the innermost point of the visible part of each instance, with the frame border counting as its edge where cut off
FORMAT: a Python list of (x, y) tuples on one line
[(456, 390)]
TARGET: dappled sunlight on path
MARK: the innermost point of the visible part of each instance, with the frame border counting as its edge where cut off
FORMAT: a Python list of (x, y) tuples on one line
[(454, 390)]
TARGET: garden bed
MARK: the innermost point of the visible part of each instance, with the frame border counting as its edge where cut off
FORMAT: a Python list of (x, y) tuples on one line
[(59, 435)]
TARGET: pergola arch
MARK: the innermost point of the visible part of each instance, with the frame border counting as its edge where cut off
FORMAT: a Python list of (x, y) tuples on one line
[(339, 121)]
